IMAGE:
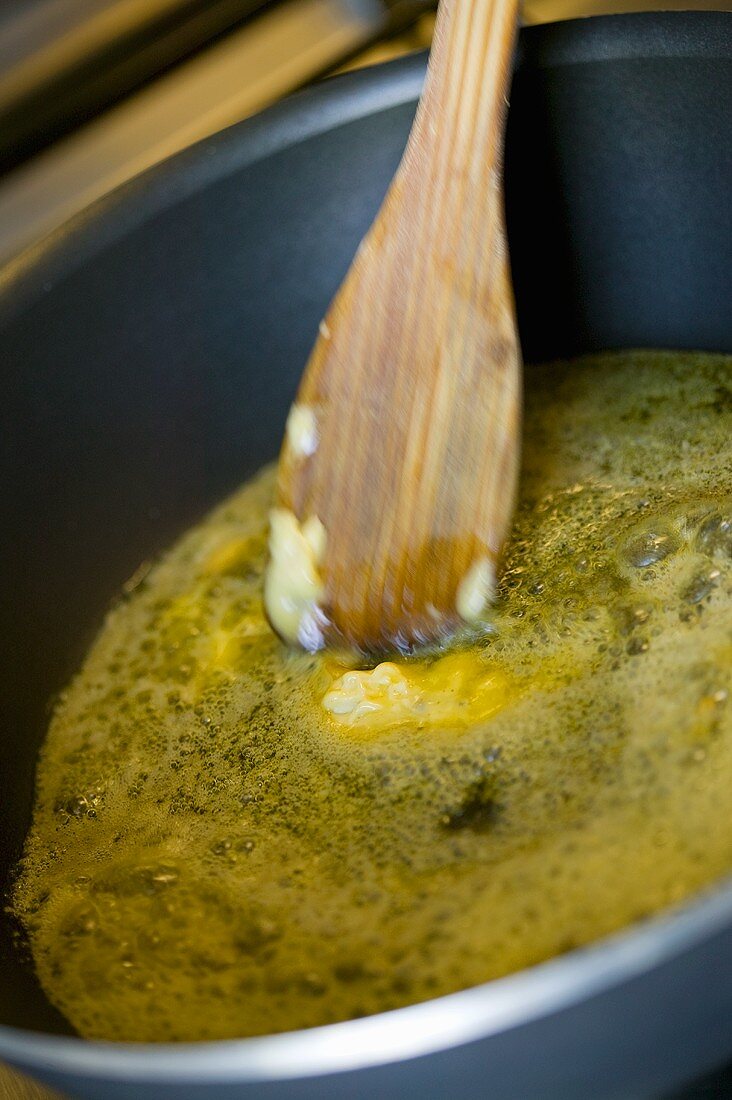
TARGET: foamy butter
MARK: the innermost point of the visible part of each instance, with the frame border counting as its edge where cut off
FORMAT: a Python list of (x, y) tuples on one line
[(293, 586), (459, 688), (214, 854)]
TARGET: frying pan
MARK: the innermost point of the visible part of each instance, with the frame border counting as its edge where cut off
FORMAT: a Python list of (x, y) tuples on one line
[(149, 353)]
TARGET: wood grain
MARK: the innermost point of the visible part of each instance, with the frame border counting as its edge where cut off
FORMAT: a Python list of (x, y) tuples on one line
[(15, 1086), (415, 379)]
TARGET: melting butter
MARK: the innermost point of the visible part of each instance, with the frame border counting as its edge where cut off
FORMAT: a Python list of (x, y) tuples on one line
[(476, 591), (301, 431), (459, 688), (293, 586), (232, 838)]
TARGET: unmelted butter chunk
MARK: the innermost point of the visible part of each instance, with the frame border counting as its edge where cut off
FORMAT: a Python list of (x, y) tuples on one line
[(458, 689), (293, 587), (476, 591), (301, 431)]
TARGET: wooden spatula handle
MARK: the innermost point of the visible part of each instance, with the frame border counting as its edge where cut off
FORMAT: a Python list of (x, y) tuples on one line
[(464, 100)]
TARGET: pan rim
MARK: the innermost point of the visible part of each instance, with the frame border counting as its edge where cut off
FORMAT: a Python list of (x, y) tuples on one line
[(399, 1035)]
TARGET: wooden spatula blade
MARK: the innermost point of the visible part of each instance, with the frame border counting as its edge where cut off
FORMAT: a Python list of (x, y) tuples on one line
[(402, 447)]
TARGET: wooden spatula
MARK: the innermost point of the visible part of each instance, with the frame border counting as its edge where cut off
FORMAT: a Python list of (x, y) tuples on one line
[(397, 476)]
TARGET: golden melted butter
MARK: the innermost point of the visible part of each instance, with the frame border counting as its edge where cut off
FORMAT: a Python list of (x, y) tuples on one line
[(230, 838)]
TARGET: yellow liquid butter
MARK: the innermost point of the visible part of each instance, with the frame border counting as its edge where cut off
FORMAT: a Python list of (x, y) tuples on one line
[(231, 839)]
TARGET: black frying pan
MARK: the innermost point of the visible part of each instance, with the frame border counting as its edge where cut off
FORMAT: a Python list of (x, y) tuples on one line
[(149, 353)]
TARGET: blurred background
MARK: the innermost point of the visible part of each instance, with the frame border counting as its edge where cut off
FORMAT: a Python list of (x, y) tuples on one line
[(94, 91)]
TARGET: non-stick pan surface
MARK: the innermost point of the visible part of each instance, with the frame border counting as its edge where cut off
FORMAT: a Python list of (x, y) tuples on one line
[(148, 355)]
